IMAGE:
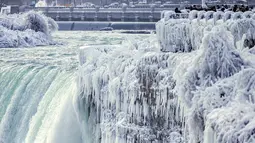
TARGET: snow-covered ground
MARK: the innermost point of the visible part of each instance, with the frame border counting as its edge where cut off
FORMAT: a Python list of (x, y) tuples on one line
[(26, 30), (201, 90)]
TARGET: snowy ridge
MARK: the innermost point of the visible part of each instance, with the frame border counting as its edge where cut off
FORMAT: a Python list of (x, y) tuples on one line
[(135, 93), (26, 30), (186, 34)]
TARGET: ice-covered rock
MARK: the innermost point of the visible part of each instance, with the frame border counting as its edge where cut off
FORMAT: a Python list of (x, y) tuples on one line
[(26, 30)]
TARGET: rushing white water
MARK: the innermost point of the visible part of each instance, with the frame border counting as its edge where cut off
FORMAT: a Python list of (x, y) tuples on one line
[(38, 89), (34, 102)]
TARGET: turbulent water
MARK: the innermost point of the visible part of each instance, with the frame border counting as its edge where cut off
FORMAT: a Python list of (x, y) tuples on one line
[(38, 86)]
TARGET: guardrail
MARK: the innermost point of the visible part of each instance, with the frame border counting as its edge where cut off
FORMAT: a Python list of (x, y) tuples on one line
[(152, 14), (96, 9), (102, 14)]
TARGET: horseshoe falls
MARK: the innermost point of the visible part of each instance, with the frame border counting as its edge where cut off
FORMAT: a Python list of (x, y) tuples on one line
[(34, 104), (36, 97)]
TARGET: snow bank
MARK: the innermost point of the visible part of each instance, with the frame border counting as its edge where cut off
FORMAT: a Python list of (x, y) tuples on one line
[(26, 30), (135, 93)]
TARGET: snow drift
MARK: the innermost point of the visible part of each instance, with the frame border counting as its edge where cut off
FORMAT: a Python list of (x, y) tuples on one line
[(203, 90), (26, 30)]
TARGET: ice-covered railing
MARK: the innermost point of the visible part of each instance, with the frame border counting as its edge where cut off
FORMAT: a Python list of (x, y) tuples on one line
[(185, 34), (134, 93), (26, 30)]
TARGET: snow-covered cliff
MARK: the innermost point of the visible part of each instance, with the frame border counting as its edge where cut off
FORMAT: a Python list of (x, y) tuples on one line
[(203, 90), (26, 30)]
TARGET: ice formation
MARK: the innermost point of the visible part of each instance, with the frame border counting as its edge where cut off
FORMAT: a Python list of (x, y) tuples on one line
[(201, 90), (176, 35), (26, 30)]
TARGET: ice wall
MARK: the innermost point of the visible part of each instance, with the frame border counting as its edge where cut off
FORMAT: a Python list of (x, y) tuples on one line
[(26, 30)]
